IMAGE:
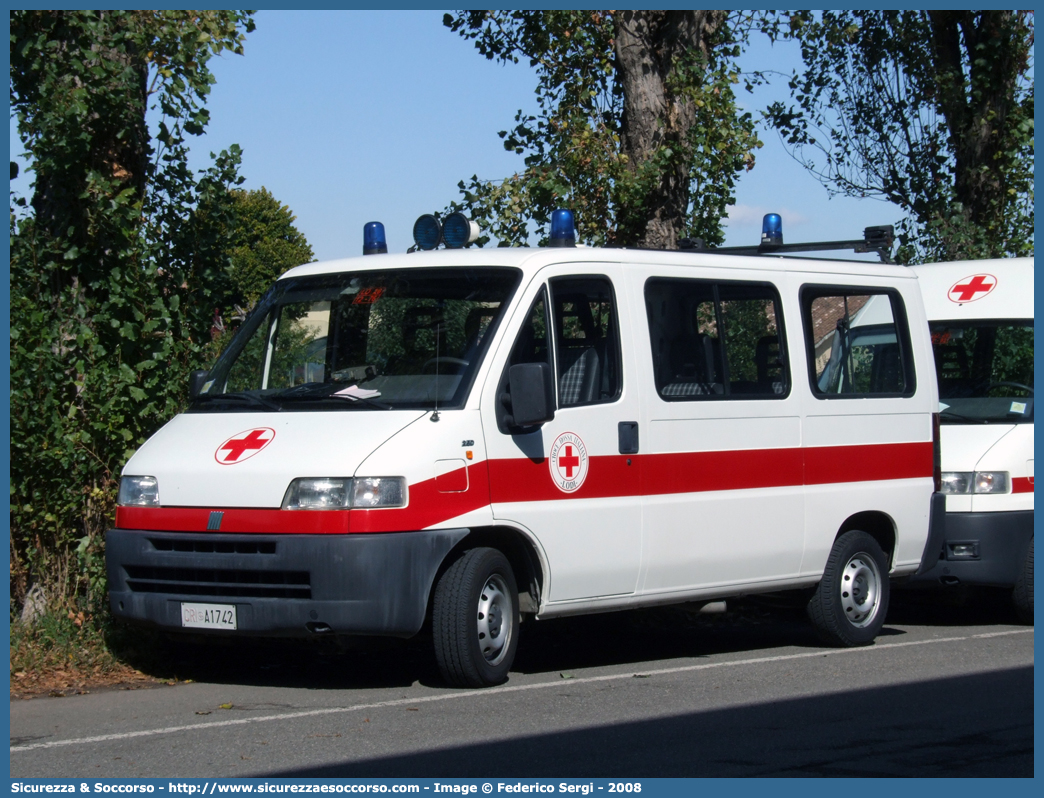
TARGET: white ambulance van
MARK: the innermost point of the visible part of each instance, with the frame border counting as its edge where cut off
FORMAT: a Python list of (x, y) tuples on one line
[(981, 318), (456, 440)]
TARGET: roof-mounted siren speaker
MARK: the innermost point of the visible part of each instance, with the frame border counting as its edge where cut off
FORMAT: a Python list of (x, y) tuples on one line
[(374, 242), (563, 230), (772, 230), (427, 232), (459, 231)]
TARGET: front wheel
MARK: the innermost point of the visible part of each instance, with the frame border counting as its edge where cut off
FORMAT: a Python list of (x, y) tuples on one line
[(850, 603), (1023, 593), (475, 619)]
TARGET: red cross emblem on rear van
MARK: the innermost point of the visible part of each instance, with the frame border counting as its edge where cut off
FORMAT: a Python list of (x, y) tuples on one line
[(971, 288), (244, 445)]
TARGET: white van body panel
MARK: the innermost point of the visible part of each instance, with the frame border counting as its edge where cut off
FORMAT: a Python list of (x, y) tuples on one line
[(1010, 294), (182, 455), (1012, 453)]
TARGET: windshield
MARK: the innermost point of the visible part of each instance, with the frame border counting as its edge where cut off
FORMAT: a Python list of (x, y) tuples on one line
[(985, 371), (408, 338)]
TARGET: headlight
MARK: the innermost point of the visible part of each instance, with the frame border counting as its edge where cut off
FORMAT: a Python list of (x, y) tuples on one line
[(341, 493), (318, 493), (956, 482), (978, 482), (379, 492), (138, 492)]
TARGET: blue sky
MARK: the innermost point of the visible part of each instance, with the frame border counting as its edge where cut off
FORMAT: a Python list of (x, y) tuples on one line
[(357, 116)]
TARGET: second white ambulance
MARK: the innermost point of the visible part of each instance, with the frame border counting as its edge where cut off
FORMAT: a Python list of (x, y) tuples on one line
[(460, 439), (981, 319)]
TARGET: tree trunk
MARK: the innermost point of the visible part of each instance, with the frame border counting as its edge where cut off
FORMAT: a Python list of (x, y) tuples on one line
[(976, 105), (648, 43)]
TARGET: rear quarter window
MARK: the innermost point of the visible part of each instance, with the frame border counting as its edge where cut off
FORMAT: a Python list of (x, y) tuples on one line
[(857, 342)]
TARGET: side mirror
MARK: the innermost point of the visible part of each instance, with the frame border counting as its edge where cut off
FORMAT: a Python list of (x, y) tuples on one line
[(531, 399), (196, 381)]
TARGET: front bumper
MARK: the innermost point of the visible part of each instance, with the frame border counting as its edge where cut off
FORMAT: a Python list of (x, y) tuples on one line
[(281, 585), (980, 549)]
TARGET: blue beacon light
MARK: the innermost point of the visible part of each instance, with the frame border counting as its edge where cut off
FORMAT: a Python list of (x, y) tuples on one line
[(563, 231), (772, 229), (458, 231), (374, 242), (427, 232)]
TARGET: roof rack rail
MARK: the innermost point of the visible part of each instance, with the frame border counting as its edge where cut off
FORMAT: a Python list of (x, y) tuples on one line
[(875, 239)]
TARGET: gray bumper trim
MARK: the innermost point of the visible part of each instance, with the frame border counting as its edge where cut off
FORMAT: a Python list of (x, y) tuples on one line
[(286, 585), (997, 542)]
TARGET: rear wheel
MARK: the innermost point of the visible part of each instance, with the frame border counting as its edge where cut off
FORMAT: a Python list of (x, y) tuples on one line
[(1023, 593), (850, 603), (475, 619)]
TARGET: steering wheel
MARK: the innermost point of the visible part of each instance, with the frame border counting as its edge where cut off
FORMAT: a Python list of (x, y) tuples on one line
[(448, 365), (1018, 385)]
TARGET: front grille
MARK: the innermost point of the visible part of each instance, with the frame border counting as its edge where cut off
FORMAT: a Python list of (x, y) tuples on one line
[(223, 582), (211, 546)]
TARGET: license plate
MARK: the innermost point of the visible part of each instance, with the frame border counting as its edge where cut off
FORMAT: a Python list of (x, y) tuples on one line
[(208, 616)]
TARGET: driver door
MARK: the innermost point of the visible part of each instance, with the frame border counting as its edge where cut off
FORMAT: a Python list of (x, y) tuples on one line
[(573, 482)]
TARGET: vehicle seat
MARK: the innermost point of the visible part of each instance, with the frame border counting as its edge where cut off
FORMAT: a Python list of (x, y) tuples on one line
[(769, 365), (887, 369), (413, 321), (581, 377), (951, 364)]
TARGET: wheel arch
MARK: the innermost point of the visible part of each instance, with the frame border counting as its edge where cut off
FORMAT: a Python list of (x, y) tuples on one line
[(522, 554), (879, 525)]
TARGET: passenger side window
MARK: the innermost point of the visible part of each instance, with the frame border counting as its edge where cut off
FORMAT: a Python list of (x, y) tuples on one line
[(716, 340), (857, 342), (587, 340)]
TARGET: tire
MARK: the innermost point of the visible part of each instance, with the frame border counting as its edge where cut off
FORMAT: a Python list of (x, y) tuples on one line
[(1022, 595), (475, 620), (850, 603)]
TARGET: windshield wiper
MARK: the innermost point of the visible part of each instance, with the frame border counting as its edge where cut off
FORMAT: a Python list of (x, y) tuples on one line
[(240, 396), (351, 400), (950, 413), (306, 390)]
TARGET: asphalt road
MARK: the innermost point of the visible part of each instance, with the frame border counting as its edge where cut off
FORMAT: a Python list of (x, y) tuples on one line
[(947, 690)]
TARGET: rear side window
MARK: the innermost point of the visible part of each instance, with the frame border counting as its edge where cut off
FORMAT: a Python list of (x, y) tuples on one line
[(716, 340), (858, 342)]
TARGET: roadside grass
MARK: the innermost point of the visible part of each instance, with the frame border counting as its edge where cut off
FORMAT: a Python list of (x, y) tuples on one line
[(64, 652)]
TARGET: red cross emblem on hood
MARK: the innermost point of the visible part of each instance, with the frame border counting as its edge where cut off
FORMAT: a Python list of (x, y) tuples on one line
[(244, 445)]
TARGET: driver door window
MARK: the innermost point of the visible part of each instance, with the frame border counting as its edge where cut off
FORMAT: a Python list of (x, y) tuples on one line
[(587, 340)]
